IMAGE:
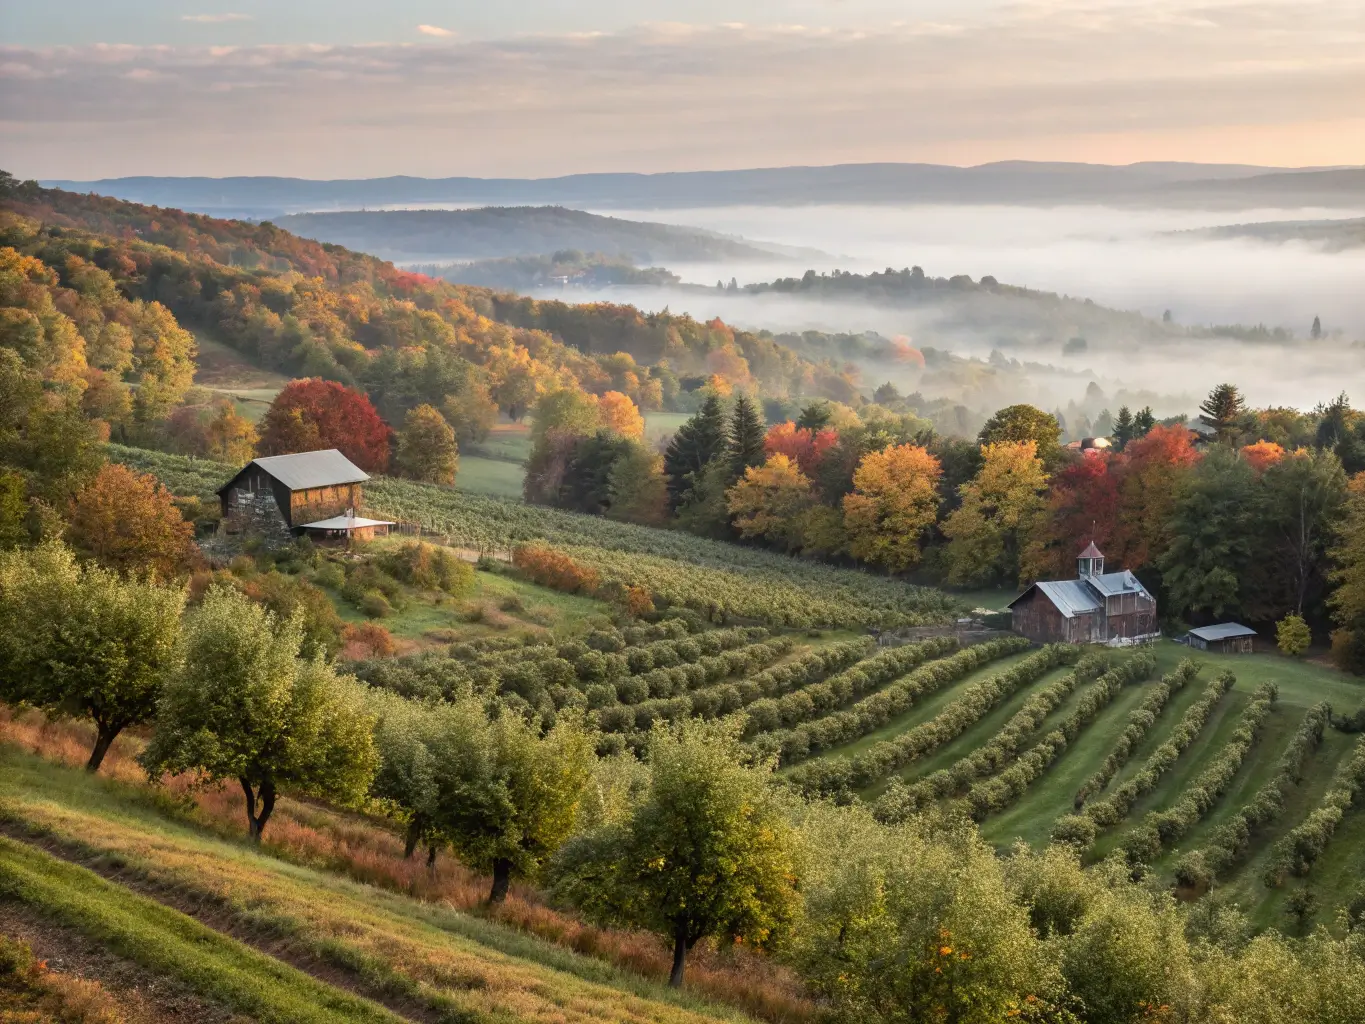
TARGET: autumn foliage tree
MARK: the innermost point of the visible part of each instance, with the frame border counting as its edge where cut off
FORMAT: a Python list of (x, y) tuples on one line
[(770, 501), (1082, 505), (619, 414), (894, 500), (999, 507), (803, 446), (127, 520), (1157, 463), (314, 413)]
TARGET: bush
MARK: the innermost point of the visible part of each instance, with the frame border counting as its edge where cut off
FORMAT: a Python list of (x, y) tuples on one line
[(555, 570), (1292, 635), (375, 605), (429, 567)]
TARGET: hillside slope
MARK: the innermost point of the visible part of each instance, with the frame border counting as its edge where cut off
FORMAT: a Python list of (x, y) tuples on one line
[(498, 231)]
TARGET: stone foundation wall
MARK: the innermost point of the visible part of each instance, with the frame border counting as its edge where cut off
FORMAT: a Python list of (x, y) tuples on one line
[(255, 515)]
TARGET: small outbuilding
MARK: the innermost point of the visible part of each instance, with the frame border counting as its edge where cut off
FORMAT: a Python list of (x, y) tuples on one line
[(277, 496), (1224, 638), (343, 529)]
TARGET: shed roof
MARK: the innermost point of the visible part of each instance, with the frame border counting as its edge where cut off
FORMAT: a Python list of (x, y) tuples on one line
[(1222, 631), (1090, 551), (1070, 597), (305, 470), (346, 523)]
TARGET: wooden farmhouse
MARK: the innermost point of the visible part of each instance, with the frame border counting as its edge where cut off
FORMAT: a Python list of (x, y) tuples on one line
[(1095, 608), (284, 496)]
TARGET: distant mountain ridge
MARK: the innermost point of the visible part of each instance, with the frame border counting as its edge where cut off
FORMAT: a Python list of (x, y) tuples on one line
[(1020, 182), (511, 231)]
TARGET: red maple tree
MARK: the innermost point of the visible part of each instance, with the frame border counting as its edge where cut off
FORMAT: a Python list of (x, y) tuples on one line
[(314, 413)]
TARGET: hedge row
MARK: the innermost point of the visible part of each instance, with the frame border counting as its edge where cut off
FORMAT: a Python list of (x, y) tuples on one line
[(818, 699), (756, 685), (992, 795), (1229, 841), (871, 713), (637, 702), (1140, 722), (1296, 853), (841, 776), (1161, 829), (901, 800), (1081, 828)]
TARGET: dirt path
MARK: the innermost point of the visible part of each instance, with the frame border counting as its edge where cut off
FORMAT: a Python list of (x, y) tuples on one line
[(142, 997), (220, 918)]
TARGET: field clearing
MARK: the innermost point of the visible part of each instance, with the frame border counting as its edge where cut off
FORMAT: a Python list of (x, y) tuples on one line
[(498, 477), (447, 960)]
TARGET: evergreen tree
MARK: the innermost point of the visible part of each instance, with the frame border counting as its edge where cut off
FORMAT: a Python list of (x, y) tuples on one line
[(746, 438), (696, 443), (1223, 410), (1316, 331), (1143, 422), (814, 417), (1124, 428)]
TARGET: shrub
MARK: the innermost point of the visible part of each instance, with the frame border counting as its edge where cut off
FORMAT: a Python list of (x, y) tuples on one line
[(1292, 635), (555, 570), (429, 567), (375, 605)]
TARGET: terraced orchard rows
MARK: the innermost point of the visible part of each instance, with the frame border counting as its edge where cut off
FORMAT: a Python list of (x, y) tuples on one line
[(712, 577), (1211, 772)]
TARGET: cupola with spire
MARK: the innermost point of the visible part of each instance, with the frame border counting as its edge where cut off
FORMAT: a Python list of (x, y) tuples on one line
[(1090, 563)]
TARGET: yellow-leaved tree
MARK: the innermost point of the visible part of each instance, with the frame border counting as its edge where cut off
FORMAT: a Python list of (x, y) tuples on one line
[(770, 500), (893, 501), (618, 413), (998, 507)]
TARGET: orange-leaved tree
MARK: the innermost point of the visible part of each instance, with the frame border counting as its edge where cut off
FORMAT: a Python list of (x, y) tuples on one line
[(1157, 463), (314, 413), (803, 446), (127, 520), (893, 501), (618, 413), (1082, 506), (770, 501), (1262, 455)]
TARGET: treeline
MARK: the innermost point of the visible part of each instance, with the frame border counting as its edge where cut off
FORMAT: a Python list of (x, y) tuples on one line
[(1258, 515)]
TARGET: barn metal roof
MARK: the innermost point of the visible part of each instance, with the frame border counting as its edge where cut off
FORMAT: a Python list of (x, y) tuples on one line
[(1111, 584), (1071, 597), (346, 523), (305, 470), (1222, 631)]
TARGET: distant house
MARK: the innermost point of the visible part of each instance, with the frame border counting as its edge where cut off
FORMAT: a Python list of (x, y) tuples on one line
[(1095, 608), (283, 495), (1224, 638)]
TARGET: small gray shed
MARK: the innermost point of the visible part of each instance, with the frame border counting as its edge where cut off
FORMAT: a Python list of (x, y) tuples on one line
[(1224, 638)]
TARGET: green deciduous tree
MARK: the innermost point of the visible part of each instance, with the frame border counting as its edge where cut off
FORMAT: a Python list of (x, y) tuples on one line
[(1305, 494), (1292, 635), (244, 706), (1020, 423), (707, 851), (1213, 532), (426, 447), (509, 797), (82, 640)]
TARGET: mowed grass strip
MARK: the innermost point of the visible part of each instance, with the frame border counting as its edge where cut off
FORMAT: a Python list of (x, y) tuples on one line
[(461, 966), (171, 944)]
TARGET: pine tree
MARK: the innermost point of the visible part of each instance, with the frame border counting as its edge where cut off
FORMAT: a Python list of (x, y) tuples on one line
[(746, 437), (1222, 410), (1316, 332), (814, 417), (695, 444), (1143, 422), (1124, 429)]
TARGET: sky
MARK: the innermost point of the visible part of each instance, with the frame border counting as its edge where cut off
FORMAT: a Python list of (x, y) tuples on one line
[(530, 88)]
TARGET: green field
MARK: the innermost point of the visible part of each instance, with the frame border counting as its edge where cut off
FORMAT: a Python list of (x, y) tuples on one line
[(497, 477)]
